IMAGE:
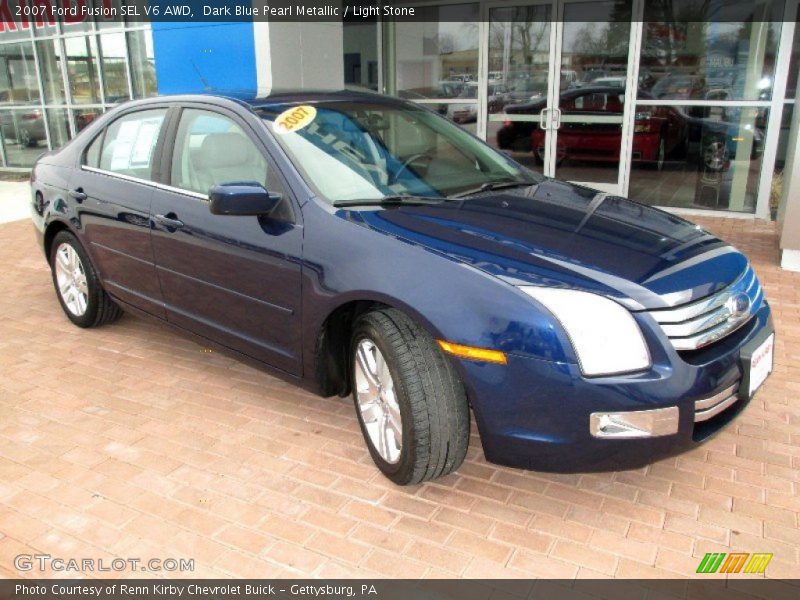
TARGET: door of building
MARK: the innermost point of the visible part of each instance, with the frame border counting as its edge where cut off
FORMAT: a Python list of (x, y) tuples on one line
[(559, 82)]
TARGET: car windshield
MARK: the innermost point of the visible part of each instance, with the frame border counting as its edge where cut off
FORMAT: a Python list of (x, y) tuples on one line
[(370, 150)]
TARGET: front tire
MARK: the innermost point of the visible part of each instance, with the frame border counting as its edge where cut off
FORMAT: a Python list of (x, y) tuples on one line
[(411, 405), (78, 288)]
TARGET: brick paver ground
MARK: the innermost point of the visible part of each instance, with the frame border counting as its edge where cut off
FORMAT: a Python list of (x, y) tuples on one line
[(129, 441)]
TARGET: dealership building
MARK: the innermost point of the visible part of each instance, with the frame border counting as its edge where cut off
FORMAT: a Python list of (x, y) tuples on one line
[(682, 104)]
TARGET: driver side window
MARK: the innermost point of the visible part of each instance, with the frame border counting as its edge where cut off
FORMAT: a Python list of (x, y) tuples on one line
[(211, 149)]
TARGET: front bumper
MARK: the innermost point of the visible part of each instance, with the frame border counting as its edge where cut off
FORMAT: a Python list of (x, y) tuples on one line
[(536, 414)]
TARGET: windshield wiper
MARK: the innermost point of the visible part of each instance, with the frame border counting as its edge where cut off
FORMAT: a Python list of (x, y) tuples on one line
[(396, 200), (495, 185)]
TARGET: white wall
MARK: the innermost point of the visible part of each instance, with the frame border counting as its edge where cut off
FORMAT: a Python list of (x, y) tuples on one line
[(305, 56)]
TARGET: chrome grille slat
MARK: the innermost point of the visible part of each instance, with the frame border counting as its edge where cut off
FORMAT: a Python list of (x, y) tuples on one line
[(697, 325), (708, 408), (703, 322), (707, 403), (704, 339), (686, 312)]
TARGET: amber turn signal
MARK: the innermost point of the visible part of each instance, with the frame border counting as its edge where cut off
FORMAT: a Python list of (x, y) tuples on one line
[(471, 353)]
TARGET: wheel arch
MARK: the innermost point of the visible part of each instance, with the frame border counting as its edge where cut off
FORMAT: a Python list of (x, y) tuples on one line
[(51, 231), (331, 340)]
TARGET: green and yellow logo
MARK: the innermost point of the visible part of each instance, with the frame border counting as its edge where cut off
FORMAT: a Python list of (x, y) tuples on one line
[(735, 562)]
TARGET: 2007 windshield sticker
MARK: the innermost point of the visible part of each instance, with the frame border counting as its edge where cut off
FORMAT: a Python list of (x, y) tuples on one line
[(294, 119)]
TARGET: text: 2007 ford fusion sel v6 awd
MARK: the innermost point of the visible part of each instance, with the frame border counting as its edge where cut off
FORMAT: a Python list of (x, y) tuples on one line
[(361, 244)]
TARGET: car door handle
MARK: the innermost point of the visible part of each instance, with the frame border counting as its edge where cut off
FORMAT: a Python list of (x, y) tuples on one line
[(78, 194), (170, 221)]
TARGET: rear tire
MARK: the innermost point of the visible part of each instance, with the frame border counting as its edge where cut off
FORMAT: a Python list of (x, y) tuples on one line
[(78, 288), (400, 374)]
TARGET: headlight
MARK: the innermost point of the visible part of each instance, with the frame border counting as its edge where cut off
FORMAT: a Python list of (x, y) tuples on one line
[(604, 335)]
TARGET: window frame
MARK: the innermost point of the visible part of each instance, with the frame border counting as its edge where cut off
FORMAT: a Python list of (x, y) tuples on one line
[(168, 150), (156, 174), (85, 152), (174, 126)]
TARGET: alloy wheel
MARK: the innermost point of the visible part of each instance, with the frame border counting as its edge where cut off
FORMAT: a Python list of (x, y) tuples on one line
[(377, 401), (71, 277), (715, 155)]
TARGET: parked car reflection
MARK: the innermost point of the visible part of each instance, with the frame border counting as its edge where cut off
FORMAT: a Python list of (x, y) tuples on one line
[(26, 127), (467, 112), (523, 90)]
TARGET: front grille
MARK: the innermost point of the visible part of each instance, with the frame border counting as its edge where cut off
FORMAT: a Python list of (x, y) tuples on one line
[(698, 324), (708, 408)]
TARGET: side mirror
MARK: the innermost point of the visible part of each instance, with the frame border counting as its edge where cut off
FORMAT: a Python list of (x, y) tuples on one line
[(245, 198)]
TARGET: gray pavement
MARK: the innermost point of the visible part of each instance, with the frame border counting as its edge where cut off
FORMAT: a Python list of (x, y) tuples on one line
[(14, 201)]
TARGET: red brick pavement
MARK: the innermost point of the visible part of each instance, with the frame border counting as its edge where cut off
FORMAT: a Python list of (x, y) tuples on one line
[(129, 441)]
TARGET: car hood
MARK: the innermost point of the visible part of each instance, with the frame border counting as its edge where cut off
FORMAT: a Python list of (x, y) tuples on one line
[(568, 235)]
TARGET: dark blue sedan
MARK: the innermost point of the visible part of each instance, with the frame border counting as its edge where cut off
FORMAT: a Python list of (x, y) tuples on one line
[(359, 244)]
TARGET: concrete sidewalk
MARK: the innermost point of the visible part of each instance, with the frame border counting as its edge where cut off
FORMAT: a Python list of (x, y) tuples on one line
[(14, 201)]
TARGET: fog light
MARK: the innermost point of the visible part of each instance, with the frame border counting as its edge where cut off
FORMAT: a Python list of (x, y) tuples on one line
[(635, 424)]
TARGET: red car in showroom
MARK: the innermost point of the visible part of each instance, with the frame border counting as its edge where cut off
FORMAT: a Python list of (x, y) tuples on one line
[(659, 131)]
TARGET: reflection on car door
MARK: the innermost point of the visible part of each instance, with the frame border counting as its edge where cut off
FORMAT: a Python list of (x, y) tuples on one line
[(114, 187), (233, 279)]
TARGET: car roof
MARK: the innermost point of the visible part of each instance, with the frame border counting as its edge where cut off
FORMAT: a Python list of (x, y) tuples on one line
[(289, 96)]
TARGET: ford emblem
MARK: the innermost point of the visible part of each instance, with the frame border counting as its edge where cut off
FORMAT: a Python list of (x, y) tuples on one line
[(738, 306)]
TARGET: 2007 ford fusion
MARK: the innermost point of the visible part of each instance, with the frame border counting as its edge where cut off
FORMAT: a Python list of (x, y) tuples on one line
[(359, 244)]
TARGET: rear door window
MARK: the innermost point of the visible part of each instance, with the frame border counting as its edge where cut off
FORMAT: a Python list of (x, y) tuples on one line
[(130, 142)]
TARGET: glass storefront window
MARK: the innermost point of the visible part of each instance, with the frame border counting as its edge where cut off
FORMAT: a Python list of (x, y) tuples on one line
[(108, 23), (14, 29), (592, 80), (77, 25), (58, 122), (794, 63), (519, 54), (436, 58), (710, 51), (84, 81), (114, 65), (360, 48), (18, 80), (79, 76), (44, 27), (85, 116), (50, 60), (24, 137), (712, 156), (143, 67)]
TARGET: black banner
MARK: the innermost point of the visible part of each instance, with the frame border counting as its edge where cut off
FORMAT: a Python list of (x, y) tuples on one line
[(26, 14)]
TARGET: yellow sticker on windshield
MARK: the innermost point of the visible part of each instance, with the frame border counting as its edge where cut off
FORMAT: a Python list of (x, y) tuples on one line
[(294, 119)]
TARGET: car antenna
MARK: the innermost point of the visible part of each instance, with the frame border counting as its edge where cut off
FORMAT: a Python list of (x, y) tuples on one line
[(203, 80)]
